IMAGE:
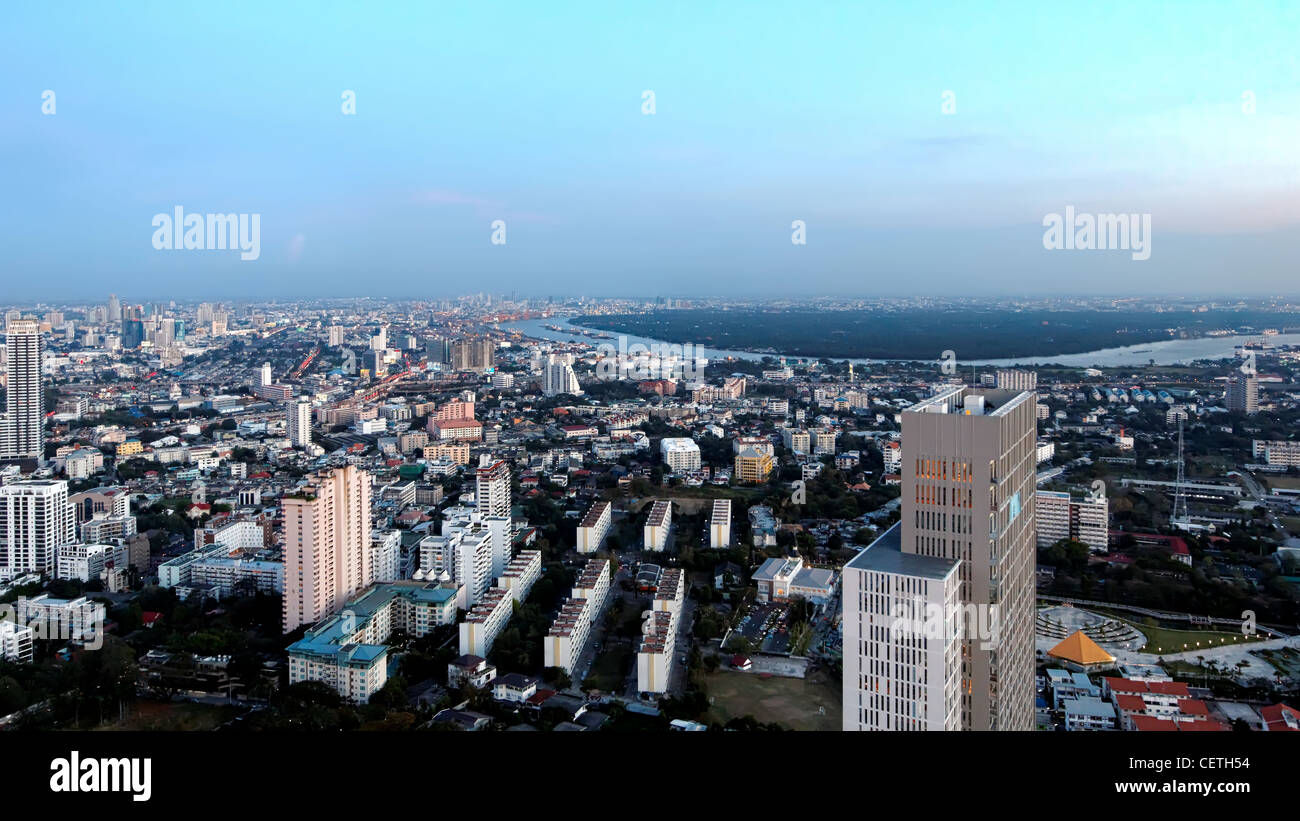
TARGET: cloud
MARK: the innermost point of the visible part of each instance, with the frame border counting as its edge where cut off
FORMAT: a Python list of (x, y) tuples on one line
[(483, 207)]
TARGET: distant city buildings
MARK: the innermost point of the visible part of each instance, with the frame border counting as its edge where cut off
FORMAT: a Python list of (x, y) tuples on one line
[(347, 650), (1282, 452), (1017, 380)]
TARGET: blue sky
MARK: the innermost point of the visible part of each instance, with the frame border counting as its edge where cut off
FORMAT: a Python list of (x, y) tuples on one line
[(765, 113)]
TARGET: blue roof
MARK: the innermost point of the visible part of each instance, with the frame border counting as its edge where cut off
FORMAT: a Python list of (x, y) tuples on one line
[(326, 638)]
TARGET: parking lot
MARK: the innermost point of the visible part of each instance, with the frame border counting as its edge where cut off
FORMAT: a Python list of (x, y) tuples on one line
[(763, 625)]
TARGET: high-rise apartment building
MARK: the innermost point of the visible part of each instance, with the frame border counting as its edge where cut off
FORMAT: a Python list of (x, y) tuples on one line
[(326, 544), (1242, 394), (475, 354), (336, 336), (1061, 516), (298, 425), (968, 482), (558, 377), (36, 519), (492, 487), (21, 426)]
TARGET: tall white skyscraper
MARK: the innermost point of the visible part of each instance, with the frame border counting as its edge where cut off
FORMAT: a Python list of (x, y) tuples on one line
[(558, 377), (36, 519), (264, 375), (20, 427), (335, 336), (299, 422), (327, 555)]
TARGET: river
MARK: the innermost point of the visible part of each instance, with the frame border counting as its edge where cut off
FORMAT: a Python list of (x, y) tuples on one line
[(1169, 352)]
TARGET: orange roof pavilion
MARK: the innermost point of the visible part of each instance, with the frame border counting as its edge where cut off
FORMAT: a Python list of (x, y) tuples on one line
[(1081, 650)]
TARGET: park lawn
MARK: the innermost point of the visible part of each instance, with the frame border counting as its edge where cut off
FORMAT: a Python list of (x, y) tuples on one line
[(790, 702), (610, 668), (1163, 641), (180, 715)]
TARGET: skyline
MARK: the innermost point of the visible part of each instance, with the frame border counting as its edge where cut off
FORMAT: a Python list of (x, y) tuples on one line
[(832, 116)]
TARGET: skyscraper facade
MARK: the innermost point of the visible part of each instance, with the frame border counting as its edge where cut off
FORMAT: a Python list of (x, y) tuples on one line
[(327, 554), (968, 481)]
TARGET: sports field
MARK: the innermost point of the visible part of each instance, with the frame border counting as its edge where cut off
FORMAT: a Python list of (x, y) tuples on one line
[(799, 704)]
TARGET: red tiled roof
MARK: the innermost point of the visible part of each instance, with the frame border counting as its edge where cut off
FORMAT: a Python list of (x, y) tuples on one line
[(1130, 703), (1275, 717), (1151, 724), (1209, 726), (1193, 707)]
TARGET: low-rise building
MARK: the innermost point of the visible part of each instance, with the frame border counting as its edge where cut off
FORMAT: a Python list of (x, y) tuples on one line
[(657, 526), (347, 650), (86, 562), (485, 621), (780, 580), (720, 524), (594, 527)]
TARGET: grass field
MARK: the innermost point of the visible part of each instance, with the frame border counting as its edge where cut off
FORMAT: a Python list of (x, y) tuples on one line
[(1285, 482), (180, 715), (610, 668), (1162, 640), (790, 702)]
